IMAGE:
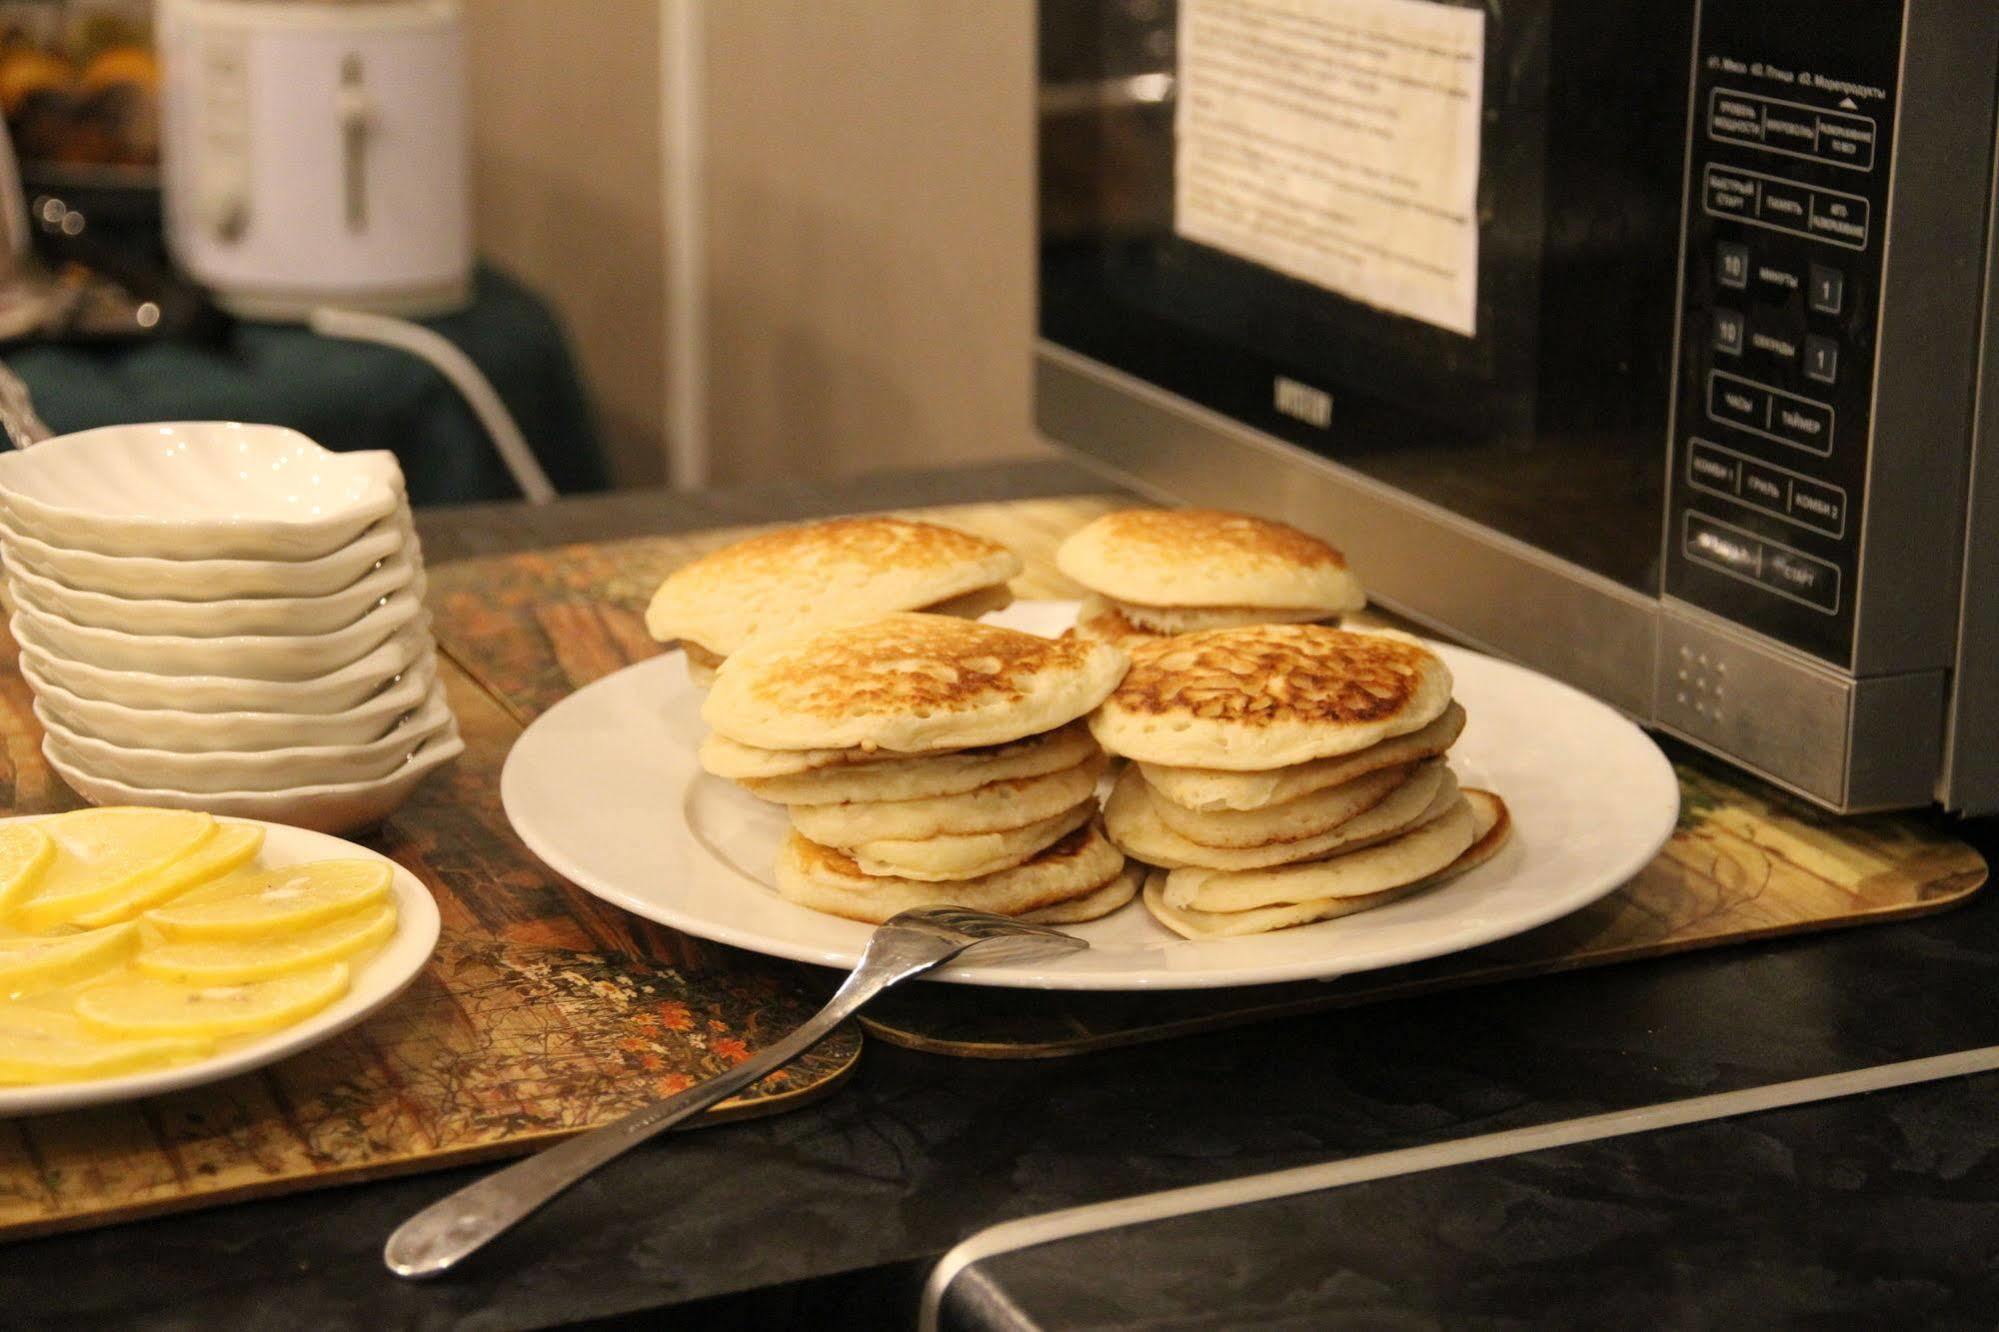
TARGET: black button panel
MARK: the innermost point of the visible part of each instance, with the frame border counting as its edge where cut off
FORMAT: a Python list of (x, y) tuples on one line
[(1731, 265), (1761, 562), (1770, 412), (1763, 200), (1786, 215), (1728, 331), (1774, 491), (1795, 129)]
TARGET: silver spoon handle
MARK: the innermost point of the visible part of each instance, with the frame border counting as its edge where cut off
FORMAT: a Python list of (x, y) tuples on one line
[(440, 1235)]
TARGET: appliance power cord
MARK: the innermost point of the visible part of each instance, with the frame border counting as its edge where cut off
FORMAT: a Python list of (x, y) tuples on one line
[(457, 368)]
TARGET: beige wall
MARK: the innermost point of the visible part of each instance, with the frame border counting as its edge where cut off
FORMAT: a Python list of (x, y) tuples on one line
[(567, 179), (866, 186), (869, 246)]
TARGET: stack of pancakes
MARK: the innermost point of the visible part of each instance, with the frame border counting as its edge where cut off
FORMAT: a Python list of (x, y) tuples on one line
[(1289, 773), (800, 578), (1153, 573), (926, 760)]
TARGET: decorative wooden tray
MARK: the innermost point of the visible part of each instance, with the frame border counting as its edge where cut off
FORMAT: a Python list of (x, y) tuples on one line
[(1742, 865), (544, 1012), (547, 1011), (1745, 863)]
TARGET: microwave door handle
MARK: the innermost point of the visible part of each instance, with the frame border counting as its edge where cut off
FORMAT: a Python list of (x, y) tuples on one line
[(354, 109)]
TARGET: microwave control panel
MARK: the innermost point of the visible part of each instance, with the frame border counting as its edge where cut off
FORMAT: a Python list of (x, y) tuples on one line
[(1786, 219)]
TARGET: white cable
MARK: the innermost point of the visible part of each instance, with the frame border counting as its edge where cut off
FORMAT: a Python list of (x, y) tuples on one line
[(444, 356)]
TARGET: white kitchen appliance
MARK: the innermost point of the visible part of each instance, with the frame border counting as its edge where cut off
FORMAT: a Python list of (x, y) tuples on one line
[(315, 153)]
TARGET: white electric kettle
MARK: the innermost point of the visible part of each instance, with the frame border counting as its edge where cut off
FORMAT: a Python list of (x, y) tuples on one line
[(315, 153)]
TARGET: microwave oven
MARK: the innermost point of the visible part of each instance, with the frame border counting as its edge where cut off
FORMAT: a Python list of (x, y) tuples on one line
[(1655, 346)]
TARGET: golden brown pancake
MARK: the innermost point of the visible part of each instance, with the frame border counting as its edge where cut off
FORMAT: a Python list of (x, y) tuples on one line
[(1007, 803), (1127, 625), (1212, 790), (1492, 825), (1270, 696), (1208, 557), (1076, 866), (1103, 622), (1131, 818), (880, 775), (798, 578), (965, 855), (909, 683), (1294, 820)]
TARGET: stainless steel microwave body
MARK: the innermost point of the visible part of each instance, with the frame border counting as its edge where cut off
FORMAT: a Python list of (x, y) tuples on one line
[(1655, 346)]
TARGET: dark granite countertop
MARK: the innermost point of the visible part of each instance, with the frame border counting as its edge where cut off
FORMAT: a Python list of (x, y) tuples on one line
[(1878, 1211), (830, 1216)]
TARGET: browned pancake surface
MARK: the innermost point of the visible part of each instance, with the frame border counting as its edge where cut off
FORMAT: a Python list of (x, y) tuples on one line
[(820, 859), (884, 543), (1216, 539), (916, 664), (1271, 673)]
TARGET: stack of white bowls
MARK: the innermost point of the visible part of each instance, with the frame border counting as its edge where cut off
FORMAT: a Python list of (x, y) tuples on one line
[(224, 617)]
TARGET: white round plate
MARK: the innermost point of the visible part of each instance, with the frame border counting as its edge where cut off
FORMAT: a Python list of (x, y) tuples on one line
[(377, 981), (604, 787), (197, 490)]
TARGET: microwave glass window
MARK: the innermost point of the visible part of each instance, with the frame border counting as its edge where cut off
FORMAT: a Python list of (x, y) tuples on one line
[(1435, 242)]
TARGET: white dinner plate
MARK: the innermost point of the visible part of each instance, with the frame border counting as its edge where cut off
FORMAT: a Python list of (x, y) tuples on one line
[(375, 982), (605, 788)]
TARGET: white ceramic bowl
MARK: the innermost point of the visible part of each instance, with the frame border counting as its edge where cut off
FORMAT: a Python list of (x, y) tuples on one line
[(203, 732), (338, 808), (196, 490), (202, 580), (294, 616), (245, 656), (254, 770), (338, 691)]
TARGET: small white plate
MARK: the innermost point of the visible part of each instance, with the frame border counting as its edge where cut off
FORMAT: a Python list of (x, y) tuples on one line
[(277, 657), (197, 580), (336, 808), (597, 784), (206, 732), (376, 981), (337, 691), (237, 770), (220, 618), (197, 490)]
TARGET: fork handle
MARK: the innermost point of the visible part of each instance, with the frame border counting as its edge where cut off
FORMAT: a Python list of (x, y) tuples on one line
[(435, 1239)]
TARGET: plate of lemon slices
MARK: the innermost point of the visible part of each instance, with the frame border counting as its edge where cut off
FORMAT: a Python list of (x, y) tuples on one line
[(146, 950)]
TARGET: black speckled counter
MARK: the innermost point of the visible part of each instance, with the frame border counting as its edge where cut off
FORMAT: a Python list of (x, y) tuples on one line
[(832, 1215), (1881, 1210)]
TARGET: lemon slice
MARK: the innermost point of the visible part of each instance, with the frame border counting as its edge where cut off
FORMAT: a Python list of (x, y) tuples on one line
[(232, 847), (230, 961), (148, 1007), (275, 901), (101, 853), (25, 854), (39, 1045), (32, 964)]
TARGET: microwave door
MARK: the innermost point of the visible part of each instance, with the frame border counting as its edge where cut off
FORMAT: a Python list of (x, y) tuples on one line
[(1503, 376), (1635, 343), (1475, 309)]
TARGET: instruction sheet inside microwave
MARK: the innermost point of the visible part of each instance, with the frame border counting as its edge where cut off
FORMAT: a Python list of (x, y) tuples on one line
[(1336, 141)]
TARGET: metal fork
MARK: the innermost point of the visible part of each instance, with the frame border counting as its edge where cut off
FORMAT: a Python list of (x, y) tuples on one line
[(435, 1239)]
